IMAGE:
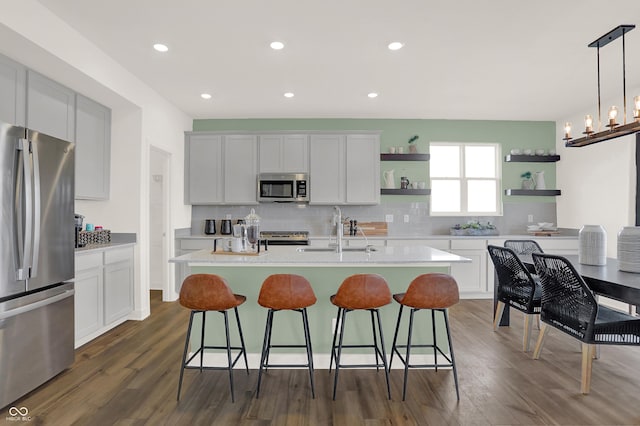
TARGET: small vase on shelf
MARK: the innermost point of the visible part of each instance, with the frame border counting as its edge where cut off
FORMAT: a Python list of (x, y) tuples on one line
[(413, 149)]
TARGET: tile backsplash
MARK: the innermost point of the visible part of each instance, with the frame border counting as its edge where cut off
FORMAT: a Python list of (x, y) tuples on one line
[(317, 219)]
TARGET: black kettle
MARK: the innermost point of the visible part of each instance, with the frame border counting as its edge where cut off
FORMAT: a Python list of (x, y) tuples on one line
[(225, 227), (210, 226)]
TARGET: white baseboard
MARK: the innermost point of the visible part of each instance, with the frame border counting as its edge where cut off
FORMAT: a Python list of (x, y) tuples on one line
[(320, 361)]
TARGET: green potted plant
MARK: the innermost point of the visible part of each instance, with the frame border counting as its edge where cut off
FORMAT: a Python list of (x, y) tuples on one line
[(527, 182), (413, 146)]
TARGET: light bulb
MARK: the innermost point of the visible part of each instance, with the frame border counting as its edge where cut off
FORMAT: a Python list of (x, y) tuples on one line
[(636, 101), (636, 110), (567, 130), (613, 113), (588, 123)]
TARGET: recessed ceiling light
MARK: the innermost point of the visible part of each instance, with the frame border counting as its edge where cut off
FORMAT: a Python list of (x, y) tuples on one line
[(288, 95), (373, 95), (160, 47), (205, 96), (396, 45), (277, 45)]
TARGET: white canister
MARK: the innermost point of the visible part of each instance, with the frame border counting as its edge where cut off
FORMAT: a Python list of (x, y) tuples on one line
[(593, 245), (629, 249)]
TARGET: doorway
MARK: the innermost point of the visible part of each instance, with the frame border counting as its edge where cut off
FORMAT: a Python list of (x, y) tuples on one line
[(159, 184)]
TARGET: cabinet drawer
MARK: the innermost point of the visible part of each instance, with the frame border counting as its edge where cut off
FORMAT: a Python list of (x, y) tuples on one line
[(196, 244), (89, 260), (118, 255), (468, 244)]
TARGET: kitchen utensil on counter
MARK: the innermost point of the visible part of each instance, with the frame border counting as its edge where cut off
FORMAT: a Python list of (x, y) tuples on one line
[(404, 182), (225, 227), (253, 229), (389, 179), (78, 220), (210, 226)]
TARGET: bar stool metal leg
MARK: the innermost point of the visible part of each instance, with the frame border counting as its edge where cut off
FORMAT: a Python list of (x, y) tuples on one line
[(184, 353), (265, 346), (335, 378), (204, 320), (395, 336), (453, 359), (244, 352), (435, 342), (335, 335), (383, 355), (307, 340), (226, 331), (375, 341), (406, 364)]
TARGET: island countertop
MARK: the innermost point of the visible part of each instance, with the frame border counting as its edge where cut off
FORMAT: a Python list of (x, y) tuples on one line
[(290, 255)]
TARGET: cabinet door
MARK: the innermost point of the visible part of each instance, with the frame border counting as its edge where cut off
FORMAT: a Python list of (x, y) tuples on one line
[(88, 301), (327, 169), (203, 169), (240, 169), (50, 107), (363, 169), (471, 277), (93, 149), (12, 91), (284, 154), (118, 290)]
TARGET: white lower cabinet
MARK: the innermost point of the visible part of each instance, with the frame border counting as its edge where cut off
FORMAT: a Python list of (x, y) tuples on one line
[(104, 291), (471, 277)]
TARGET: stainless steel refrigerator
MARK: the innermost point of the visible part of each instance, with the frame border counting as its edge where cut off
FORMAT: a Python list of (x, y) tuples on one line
[(36, 259)]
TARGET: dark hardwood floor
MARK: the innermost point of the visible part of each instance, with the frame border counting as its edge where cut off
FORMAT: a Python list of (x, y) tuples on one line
[(129, 377)]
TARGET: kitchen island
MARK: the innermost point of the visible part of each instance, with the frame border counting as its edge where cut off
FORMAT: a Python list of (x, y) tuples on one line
[(325, 271)]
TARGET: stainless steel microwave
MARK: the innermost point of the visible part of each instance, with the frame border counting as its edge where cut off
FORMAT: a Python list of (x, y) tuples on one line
[(283, 187)]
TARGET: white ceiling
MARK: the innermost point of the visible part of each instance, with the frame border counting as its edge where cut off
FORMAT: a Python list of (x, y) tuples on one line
[(464, 59)]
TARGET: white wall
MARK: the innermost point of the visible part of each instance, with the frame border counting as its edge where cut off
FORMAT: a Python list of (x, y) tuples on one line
[(597, 181), (140, 117)]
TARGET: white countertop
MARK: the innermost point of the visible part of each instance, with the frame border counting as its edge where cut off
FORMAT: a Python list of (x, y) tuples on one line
[(412, 237), (290, 256)]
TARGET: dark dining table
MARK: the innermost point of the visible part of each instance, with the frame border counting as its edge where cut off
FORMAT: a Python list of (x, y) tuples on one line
[(606, 280)]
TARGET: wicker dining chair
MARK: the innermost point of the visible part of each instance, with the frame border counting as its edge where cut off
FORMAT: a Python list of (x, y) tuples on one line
[(517, 288), (523, 247), (569, 305)]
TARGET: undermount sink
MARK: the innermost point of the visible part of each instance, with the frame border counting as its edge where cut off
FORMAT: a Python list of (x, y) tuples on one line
[(334, 249)]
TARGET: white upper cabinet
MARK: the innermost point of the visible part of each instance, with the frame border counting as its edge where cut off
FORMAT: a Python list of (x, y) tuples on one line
[(203, 169), (50, 107), (283, 153), (93, 149), (327, 169), (220, 169), (240, 169), (363, 169), (12, 92), (344, 169)]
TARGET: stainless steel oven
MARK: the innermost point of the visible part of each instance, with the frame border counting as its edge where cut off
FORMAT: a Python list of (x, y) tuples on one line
[(283, 187)]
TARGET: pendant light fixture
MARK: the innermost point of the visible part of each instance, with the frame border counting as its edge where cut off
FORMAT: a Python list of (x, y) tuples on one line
[(613, 129)]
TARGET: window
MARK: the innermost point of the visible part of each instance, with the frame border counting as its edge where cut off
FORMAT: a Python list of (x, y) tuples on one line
[(465, 179)]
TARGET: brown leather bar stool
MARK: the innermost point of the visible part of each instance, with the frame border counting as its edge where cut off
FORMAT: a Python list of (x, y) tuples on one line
[(286, 292), (360, 292), (208, 292), (435, 292)]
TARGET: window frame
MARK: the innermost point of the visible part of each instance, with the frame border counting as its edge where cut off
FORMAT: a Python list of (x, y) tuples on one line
[(463, 179)]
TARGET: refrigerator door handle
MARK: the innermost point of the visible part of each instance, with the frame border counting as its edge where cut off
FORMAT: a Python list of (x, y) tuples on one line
[(35, 249), (33, 306), (23, 269)]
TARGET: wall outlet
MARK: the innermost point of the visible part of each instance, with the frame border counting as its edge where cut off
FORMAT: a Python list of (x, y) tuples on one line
[(406, 218), (530, 218), (388, 218)]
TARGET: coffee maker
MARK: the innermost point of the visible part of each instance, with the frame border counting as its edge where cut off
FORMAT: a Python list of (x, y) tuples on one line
[(78, 220)]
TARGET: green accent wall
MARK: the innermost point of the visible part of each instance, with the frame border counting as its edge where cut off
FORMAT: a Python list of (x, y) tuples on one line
[(396, 132)]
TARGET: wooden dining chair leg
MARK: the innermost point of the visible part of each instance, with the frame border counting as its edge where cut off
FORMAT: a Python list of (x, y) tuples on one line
[(526, 340), (543, 332), (587, 363), (498, 315)]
